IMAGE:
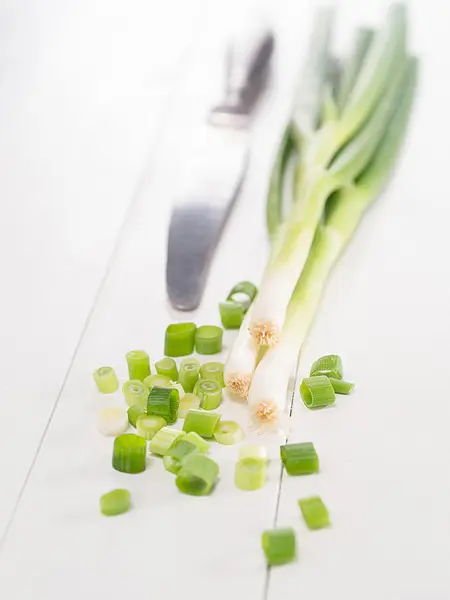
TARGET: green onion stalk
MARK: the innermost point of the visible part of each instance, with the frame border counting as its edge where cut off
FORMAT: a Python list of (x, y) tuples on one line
[(267, 394)]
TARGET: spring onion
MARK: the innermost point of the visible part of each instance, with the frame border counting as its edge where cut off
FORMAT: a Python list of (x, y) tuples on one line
[(330, 365), (168, 368), (341, 387), (135, 392), (214, 371), (164, 439), (314, 512), (198, 441), (180, 339), (163, 402), (106, 380), (148, 425), (317, 392), (253, 451), (176, 455), (270, 379), (228, 433), (138, 364), (189, 372), (134, 412), (250, 474), (300, 459), (186, 403), (274, 208), (208, 339), (279, 546), (198, 475), (241, 362), (202, 422), (210, 394), (158, 380), (129, 453), (115, 502), (112, 421), (233, 310)]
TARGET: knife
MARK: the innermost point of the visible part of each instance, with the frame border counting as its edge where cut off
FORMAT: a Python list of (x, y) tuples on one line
[(217, 172)]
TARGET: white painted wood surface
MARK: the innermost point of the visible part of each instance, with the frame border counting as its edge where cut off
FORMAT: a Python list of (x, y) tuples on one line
[(80, 113)]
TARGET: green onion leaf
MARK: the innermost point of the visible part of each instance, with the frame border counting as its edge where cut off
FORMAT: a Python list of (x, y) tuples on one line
[(164, 439), (198, 441), (314, 512), (189, 371), (231, 314), (135, 392), (134, 412), (341, 387), (163, 402), (208, 339), (210, 394), (279, 546), (148, 425), (300, 459), (202, 422), (129, 453), (353, 64), (180, 339), (106, 380), (198, 475), (228, 433), (213, 371), (317, 392), (168, 368), (330, 365), (138, 364), (246, 289), (175, 456), (115, 502), (274, 204), (250, 473), (186, 403)]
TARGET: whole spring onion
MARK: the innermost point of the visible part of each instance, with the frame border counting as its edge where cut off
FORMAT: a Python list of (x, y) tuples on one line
[(163, 402), (189, 372), (148, 425), (317, 392), (330, 365), (314, 512), (112, 421), (188, 402), (210, 394), (129, 453), (106, 380), (115, 502), (198, 475), (202, 422), (135, 392), (341, 387), (198, 441), (228, 433), (212, 371), (180, 339), (176, 455), (164, 439), (250, 474), (138, 364), (133, 413), (168, 368), (300, 459), (208, 339), (270, 379), (279, 546)]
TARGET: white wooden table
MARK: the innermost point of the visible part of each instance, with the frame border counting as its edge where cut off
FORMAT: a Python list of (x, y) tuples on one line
[(98, 103)]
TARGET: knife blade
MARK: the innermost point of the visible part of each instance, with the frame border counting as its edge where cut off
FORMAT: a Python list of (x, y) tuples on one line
[(216, 171)]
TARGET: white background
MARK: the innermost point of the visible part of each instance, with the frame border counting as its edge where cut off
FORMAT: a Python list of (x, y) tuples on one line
[(98, 103)]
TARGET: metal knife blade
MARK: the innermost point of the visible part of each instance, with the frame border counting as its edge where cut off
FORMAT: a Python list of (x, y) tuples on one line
[(217, 171)]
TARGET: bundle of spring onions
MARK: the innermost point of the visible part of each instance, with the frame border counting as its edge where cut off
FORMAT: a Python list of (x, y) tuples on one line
[(346, 137)]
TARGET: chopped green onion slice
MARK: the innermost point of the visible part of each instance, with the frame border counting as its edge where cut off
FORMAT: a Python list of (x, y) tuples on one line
[(174, 458), (135, 392), (186, 403), (208, 339), (213, 371), (317, 392), (341, 387), (253, 451), (231, 314), (202, 422), (210, 394), (112, 421), (228, 433), (279, 546), (300, 459), (115, 502), (245, 288), (250, 473), (129, 453), (167, 367), (163, 402), (198, 475), (158, 380), (164, 439), (180, 339), (330, 365), (106, 380), (148, 425), (198, 441), (314, 512), (189, 370), (134, 412), (138, 364)]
